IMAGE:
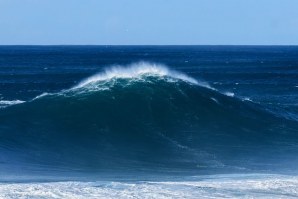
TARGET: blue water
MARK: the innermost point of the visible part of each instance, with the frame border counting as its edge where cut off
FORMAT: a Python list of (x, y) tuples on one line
[(159, 113)]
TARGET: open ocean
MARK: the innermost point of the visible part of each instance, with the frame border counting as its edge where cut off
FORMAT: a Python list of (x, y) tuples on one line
[(148, 121)]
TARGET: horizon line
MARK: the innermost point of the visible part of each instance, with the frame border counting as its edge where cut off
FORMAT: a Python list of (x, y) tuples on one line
[(149, 45)]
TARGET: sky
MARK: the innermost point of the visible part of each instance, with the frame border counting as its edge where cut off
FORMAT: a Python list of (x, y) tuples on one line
[(149, 22)]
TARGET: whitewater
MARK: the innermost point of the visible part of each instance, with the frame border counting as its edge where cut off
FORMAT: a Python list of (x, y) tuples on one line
[(222, 186)]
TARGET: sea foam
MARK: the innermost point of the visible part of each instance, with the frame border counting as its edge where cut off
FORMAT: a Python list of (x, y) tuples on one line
[(5, 103), (225, 186)]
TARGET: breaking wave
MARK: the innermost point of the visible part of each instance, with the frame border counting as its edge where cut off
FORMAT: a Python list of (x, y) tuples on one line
[(144, 117)]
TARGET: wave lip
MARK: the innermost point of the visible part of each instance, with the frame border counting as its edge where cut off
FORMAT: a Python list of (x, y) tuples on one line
[(137, 71)]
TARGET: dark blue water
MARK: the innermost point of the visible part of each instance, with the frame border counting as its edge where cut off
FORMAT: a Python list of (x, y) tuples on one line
[(151, 109)]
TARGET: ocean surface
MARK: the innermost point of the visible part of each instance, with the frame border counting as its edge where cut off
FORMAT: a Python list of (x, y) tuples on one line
[(148, 121)]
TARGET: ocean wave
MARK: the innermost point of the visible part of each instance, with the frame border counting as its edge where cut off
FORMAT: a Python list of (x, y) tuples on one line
[(144, 117)]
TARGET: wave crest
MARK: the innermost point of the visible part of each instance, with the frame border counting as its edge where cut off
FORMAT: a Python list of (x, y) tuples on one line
[(138, 71)]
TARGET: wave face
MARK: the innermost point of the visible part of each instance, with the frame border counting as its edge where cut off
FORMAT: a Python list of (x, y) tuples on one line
[(144, 117)]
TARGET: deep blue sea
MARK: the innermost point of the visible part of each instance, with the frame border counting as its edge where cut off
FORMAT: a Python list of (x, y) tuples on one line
[(148, 121)]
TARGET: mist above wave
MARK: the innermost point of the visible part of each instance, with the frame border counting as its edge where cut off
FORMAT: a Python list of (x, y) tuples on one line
[(137, 71)]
